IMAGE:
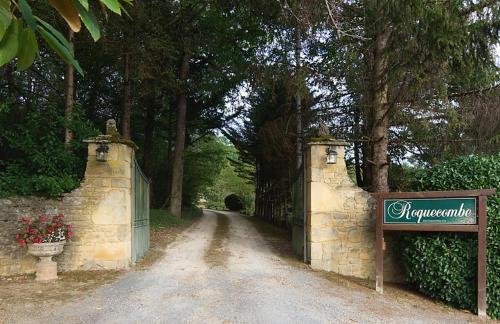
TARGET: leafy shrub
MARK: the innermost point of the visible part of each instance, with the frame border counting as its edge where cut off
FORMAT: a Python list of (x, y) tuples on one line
[(233, 202), (33, 157), (444, 265)]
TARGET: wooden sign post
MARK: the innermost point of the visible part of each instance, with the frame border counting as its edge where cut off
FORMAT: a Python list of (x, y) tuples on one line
[(434, 211)]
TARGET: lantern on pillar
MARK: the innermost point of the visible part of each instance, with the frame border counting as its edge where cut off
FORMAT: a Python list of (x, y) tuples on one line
[(102, 152), (331, 155)]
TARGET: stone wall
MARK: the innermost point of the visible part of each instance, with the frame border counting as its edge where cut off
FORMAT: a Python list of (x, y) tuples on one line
[(340, 218), (100, 209), (13, 259)]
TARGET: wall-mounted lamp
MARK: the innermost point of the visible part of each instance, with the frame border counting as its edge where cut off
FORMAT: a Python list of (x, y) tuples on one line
[(331, 155), (102, 152)]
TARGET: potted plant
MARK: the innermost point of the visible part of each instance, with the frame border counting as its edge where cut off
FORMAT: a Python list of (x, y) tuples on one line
[(45, 237)]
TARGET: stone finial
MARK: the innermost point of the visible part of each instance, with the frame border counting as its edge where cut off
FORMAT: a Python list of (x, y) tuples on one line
[(111, 127), (323, 130), (112, 136)]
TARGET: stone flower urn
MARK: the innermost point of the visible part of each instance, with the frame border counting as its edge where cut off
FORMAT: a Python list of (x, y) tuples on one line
[(46, 269)]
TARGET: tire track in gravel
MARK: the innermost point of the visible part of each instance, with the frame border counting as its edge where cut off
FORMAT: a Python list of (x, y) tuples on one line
[(217, 253)]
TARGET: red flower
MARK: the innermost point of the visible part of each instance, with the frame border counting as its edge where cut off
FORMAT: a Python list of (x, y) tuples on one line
[(42, 228)]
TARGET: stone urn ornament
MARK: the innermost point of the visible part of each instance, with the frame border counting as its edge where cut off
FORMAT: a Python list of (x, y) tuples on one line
[(45, 238), (46, 269)]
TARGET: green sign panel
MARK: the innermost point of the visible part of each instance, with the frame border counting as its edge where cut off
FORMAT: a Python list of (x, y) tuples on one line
[(449, 211)]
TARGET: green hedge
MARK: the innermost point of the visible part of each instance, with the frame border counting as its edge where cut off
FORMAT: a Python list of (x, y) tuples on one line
[(444, 265), (33, 157)]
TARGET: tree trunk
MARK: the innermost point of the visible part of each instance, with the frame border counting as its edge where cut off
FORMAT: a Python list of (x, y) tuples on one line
[(357, 135), (180, 137), (127, 100), (380, 107), (366, 150), (170, 141), (70, 92), (298, 97)]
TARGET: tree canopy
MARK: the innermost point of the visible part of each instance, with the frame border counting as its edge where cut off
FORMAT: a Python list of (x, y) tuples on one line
[(19, 26), (407, 83)]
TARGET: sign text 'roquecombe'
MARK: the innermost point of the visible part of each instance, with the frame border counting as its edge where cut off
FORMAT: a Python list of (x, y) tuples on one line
[(430, 211)]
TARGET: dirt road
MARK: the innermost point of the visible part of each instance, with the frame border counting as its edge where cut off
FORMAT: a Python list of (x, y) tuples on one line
[(222, 270)]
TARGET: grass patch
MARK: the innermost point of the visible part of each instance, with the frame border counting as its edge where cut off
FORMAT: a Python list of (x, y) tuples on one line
[(161, 218)]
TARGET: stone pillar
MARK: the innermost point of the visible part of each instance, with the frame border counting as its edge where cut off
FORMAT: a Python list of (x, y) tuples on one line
[(340, 218), (101, 208), (112, 215)]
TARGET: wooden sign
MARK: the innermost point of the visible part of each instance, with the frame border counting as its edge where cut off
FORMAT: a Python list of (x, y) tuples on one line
[(430, 211), (435, 211)]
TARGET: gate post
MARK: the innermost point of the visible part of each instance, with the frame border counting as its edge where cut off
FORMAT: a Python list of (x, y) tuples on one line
[(340, 221), (110, 181)]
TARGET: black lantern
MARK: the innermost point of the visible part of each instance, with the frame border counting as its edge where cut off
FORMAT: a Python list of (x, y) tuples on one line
[(331, 155), (102, 152)]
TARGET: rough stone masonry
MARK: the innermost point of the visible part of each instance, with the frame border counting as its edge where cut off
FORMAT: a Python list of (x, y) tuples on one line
[(100, 209), (340, 218)]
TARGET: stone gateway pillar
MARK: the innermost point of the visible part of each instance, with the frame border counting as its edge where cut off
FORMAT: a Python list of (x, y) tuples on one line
[(100, 209), (340, 219)]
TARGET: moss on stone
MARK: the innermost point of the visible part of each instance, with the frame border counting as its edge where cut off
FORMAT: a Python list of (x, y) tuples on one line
[(119, 139), (326, 138), (115, 137)]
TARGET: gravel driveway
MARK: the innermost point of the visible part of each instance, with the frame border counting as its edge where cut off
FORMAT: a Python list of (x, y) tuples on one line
[(222, 270)]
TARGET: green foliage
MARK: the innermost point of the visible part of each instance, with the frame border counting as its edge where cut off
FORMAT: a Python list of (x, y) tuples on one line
[(58, 43), (28, 48), (17, 35), (443, 266), (231, 182), (401, 177), (9, 43), (210, 175), (34, 158), (161, 218), (439, 54), (203, 163)]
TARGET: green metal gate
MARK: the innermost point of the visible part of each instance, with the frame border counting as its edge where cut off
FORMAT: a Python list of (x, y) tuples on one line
[(140, 212)]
